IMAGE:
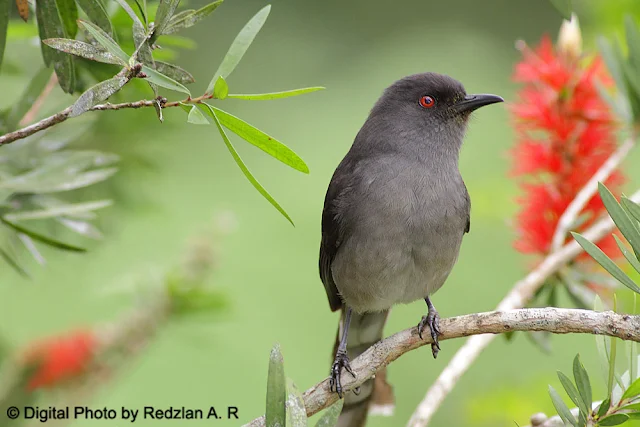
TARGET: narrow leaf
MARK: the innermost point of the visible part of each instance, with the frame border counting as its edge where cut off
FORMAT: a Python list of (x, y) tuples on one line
[(31, 247), (63, 210), (296, 412), (98, 93), (161, 80), (13, 263), (266, 143), (276, 95), (104, 40), (612, 57), (84, 50), (633, 41), (190, 18), (614, 420), (604, 407), (130, 12), (97, 13), (582, 383), (606, 262), (221, 90), (620, 217), (572, 392), (627, 254), (633, 390), (331, 414), (196, 117), (26, 100), (5, 10), (69, 15), (166, 9), (564, 7), (275, 415), (239, 46), (81, 227), (50, 26), (632, 207), (176, 73), (142, 7), (41, 238), (243, 167)]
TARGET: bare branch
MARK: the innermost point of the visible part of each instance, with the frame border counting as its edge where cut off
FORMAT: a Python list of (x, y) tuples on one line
[(554, 320)]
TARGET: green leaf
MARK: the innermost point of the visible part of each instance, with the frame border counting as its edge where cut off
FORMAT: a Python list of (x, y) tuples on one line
[(633, 390), (614, 420), (604, 407), (572, 392), (631, 407), (176, 73), (331, 414), (50, 26), (84, 50), (26, 100), (239, 46), (242, 166), (97, 93), (69, 15), (632, 207), (104, 40), (627, 254), (606, 262), (63, 210), (296, 412), (276, 95), (97, 13), (5, 10), (561, 407), (163, 81), (275, 415), (196, 117), (582, 383), (613, 57), (564, 7), (620, 217), (266, 143), (166, 9), (143, 10), (13, 263), (130, 12), (633, 41), (190, 18), (41, 238), (221, 90)]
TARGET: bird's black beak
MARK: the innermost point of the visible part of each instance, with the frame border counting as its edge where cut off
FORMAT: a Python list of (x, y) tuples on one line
[(473, 102)]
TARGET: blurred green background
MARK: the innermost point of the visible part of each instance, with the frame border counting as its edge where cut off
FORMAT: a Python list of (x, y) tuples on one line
[(175, 179)]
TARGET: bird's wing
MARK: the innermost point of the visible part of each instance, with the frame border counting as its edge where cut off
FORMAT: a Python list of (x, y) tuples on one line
[(466, 195), (329, 246)]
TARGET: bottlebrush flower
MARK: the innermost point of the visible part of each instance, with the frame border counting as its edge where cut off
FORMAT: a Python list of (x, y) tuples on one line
[(565, 132), (60, 358)]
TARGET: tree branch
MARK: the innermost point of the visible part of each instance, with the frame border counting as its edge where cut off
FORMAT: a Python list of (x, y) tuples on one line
[(554, 320)]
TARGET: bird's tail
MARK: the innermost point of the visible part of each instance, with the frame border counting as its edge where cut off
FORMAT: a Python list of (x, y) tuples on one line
[(376, 395)]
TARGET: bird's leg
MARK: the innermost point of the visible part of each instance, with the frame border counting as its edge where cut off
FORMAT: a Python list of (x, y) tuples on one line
[(432, 319), (341, 360)]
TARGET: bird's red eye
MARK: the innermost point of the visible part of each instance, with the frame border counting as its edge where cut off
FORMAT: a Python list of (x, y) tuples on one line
[(427, 101)]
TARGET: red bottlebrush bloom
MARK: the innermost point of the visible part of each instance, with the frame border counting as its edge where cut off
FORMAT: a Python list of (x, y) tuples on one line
[(60, 358), (565, 132)]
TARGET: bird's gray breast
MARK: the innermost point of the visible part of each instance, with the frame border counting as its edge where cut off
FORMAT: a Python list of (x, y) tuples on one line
[(406, 224)]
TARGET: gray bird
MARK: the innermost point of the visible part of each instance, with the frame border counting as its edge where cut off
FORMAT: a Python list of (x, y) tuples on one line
[(394, 217)]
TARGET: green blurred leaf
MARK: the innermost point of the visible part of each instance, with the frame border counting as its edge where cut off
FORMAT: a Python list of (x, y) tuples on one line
[(239, 46), (97, 93), (165, 12), (564, 7), (26, 100), (189, 18), (632, 207), (614, 420), (194, 300), (620, 217), (275, 414), (104, 40), (633, 390), (221, 90), (582, 383), (561, 408), (164, 81), (604, 407), (5, 10), (83, 228), (84, 50), (69, 15), (275, 95), (606, 262), (97, 13), (13, 263), (176, 73), (632, 407), (130, 12), (266, 143), (31, 248), (572, 392), (627, 254), (41, 238), (142, 7), (633, 41), (196, 117), (613, 57), (63, 210), (331, 414), (50, 26), (296, 412), (210, 110)]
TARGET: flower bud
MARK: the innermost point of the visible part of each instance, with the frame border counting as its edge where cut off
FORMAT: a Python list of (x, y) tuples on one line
[(570, 39)]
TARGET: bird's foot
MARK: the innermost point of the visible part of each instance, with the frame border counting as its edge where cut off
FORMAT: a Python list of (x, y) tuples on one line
[(432, 320), (335, 382)]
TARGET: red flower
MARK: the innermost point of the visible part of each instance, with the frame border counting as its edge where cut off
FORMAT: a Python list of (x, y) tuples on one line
[(61, 358), (565, 132)]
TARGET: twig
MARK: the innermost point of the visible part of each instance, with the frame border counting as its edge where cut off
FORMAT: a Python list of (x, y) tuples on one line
[(572, 212), (39, 102), (519, 295), (555, 320), (64, 115)]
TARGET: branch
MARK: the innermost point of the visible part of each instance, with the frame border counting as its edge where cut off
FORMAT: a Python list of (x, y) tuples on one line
[(63, 115), (520, 294), (554, 320)]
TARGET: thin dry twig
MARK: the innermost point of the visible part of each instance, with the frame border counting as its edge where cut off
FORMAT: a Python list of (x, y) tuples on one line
[(39, 102)]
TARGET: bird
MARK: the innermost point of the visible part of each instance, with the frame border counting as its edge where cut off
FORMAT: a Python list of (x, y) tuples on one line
[(394, 216)]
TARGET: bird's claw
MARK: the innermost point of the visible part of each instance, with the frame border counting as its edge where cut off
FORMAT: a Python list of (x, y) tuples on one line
[(335, 382), (432, 320)]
